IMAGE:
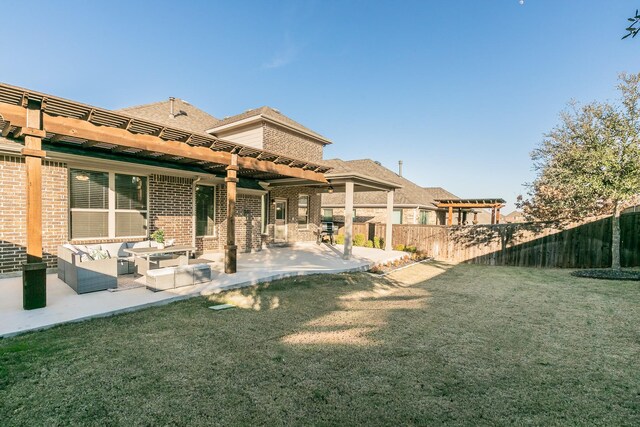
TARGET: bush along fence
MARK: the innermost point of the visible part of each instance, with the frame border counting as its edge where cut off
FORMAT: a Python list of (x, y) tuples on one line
[(585, 245)]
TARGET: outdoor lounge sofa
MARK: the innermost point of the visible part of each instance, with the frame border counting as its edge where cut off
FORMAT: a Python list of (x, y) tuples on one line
[(162, 279), (84, 274)]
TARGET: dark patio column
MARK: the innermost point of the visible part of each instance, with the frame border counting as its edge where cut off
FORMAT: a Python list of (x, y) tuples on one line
[(34, 272), (231, 250)]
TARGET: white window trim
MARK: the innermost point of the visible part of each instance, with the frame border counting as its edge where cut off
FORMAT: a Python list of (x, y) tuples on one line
[(195, 214), (306, 225), (111, 211), (401, 215)]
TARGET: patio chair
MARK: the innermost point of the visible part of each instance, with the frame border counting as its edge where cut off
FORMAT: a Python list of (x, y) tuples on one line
[(86, 276), (326, 229)]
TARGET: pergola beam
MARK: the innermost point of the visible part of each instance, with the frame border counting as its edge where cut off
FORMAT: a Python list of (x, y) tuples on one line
[(470, 205), (84, 130), (81, 129)]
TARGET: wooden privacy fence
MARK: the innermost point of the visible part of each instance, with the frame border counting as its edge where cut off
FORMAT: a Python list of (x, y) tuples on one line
[(586, 245)]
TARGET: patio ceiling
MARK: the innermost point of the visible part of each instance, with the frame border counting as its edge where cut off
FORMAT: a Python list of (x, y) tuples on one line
[(72, 124)]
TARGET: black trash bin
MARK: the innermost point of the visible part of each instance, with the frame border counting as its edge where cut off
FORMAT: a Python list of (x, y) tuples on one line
[(34, 285)]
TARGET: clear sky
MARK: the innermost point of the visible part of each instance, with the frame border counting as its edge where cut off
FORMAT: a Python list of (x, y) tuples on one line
[(461, 91)]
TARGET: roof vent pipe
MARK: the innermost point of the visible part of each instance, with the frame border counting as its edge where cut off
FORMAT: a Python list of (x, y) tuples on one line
[(400, 167), (171, 113)]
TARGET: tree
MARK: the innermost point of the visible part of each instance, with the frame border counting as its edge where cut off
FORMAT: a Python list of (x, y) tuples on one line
[(634, 27), (590, 163)]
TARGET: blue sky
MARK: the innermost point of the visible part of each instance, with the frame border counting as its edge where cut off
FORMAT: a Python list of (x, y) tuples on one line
[(461, 91)]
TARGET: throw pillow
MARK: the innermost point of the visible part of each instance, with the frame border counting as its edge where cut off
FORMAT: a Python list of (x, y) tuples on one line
[(84, 256), (100, 254)]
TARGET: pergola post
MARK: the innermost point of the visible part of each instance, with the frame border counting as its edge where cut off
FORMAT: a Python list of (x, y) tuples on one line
[(348, 219), (34, 272), (231, 250), (388, 237), (450, 219), (498, 216)]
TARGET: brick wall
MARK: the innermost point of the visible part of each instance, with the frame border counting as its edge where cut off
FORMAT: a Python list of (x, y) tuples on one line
[(294, 233), (55, 209), (409, 216), (13, 211), (289, 143), (248, 223), (171, 207)]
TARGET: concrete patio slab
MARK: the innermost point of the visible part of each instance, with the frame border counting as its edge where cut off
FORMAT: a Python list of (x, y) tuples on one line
[(64, 305)]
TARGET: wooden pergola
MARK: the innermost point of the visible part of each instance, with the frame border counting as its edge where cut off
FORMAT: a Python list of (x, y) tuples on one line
[(39, 118), (466, 205)]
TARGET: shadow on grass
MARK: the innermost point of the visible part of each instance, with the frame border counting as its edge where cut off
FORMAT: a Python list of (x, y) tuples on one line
[(430, 344)]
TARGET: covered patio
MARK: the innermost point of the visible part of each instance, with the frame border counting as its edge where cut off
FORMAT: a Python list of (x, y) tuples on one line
[(64, 305), (350, 183), (43, 124)]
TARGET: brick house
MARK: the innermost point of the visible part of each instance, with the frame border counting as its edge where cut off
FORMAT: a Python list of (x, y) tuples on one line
[(413, 204), (105, 176)]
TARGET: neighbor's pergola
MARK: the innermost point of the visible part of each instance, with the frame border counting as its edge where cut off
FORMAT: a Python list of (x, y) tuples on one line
[(466, 205), (47, 122)]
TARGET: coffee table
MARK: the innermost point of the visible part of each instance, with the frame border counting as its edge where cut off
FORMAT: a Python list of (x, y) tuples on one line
[(146, 259)]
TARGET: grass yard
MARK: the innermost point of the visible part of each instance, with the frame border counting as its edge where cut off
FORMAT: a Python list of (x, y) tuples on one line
[(430, 344)]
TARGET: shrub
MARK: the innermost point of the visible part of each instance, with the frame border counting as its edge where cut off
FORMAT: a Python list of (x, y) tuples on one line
[(368, 244), (381, 243), (340, 239), (410, 249), (376, 242), (359, 239), (399, 247)]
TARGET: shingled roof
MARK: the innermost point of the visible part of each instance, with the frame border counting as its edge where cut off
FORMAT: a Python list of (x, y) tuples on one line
[(410, 194), (186, 116), (272, 114), (440, 193)]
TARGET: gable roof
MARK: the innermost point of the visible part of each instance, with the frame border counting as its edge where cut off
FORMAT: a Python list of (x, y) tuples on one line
[(411, 194), (270, 114), (186, 116), (440, 193)]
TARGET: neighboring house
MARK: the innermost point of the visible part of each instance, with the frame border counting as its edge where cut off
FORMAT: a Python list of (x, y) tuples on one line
[(514, 217), (117, 176), (413, 204)]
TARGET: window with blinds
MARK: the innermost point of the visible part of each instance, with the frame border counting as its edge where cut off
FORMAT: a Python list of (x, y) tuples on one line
[(89, 203), (91, 213), (303, 211), (205, 208), (131, 205)]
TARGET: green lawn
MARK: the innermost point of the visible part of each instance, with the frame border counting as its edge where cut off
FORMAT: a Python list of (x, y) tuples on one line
[(431, 344)]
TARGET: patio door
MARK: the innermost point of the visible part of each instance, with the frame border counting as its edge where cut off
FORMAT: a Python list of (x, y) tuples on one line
[(280, 226)]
